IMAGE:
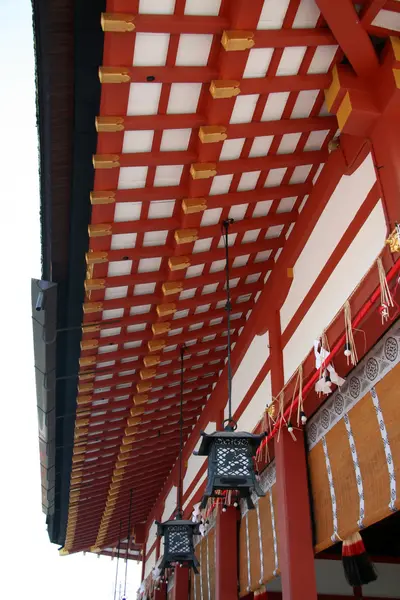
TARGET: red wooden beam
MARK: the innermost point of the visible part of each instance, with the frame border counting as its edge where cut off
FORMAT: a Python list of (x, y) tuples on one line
[(345, 25), (370, 10), (177, 23), (289, 83), (163, 74)]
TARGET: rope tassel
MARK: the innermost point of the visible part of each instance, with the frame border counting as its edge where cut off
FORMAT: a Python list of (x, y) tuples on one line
[(350, 350), (358, 568), (386, 296)]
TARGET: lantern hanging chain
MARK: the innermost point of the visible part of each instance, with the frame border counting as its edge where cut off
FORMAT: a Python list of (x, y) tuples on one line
[(118, 549), (228, 308), (179, 507), (129, 540)]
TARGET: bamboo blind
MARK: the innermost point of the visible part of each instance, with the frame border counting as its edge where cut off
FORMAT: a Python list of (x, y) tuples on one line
[(354, 467), (258, 562)]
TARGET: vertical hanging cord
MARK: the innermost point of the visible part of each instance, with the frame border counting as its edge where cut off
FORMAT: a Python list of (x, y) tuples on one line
[(228, 309), (179, 508), (129, 540), (116, 572)]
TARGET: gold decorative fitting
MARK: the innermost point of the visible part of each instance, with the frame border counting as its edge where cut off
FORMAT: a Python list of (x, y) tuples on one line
[(152, 360), (85, 387), (271, 410), (147, 374), (91, 285), (109, 124), (133, 421), (186, 236), (137, 411), (105, 161), (393, 240), (203, 170), (81, 433), (177, 263), (100, 230), (117, 22), (143, 386), (87, 361), (89, 345), (91, 329), (78, 459), (224, 89), (290, 272), (210, 134), (63, 552), (129, 432), (92, 307), (82, 400), (233, 41), (102, 198), (95, 549), (164, 310), (161, 328), (114, 75), (395, 43), (140, 399), (191, 206), (170, 288), (333, 145), (81, 422), (86, 376), (156, 345), (95, 258)]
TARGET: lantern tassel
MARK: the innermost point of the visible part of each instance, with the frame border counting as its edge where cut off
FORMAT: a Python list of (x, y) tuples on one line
[(386, 296), (350, 347), (358, 568)]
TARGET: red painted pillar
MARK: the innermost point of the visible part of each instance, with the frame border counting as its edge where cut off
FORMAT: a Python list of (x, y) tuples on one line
[(295, 545), (181, 583), (161, 593), (226, 560)]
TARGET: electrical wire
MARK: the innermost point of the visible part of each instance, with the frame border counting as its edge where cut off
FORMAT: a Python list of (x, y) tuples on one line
[(179, 507), (129, 540)]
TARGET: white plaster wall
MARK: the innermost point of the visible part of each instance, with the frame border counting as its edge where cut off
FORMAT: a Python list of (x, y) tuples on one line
[(196, 487), (354, 265), (255, 409), (170, 504), (150, 563), (194, 465), (151, 537), (253, 360), (343, 205)]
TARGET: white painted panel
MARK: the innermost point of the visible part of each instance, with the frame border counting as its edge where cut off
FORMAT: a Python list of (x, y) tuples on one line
[(262, 208), (275, 177), (275, 106), (194, 465), (291, 60), (161, 209), (273, 14), (258, 62), (255, 409), (143, 98), (300, 174), (288, 143), (248, 181), (256, 355), (175, 139), (168, 175), (387, 19), (155, 7), (261, 145), (315, 140), (220, 184), (137, 141), (123, 240), (202, 7), (322, 59), (150, 563), (150, 49), (193, 50), (304, 104), (231, 149), (132, 177), (170, 504), (127, 211), (183, 98), (112, 293), (151, 536), (343, 205), (354, 265), (119, 267), (211, 217), (197, 486), (307, 15), (244, 108)]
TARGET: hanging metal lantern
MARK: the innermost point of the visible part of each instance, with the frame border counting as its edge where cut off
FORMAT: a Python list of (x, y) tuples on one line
[(230, 453), (178, 537), (230, 463), (179, 534)]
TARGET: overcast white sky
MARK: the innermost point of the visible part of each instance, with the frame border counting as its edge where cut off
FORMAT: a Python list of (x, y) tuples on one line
[(30, 565)]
